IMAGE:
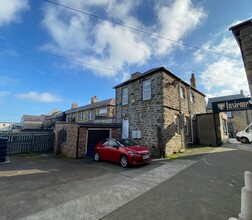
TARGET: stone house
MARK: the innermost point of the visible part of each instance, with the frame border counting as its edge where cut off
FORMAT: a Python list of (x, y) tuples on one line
[(157, 109), (236, 120), (84, 126), (32, 122)]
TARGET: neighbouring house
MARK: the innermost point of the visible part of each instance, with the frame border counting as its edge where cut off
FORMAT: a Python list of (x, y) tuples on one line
[(6, 126), (236, 120), (85, 126), (158, 109), (32, 122), (98, 111), (53, 117)]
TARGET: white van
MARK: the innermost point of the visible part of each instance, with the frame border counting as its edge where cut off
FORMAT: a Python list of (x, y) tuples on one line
[(245, 136)]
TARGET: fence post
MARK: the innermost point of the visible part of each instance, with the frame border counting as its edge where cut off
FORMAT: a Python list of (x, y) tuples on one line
[(246, 198)]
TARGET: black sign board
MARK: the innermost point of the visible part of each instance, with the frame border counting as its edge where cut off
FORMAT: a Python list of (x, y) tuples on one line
[(232, 105)]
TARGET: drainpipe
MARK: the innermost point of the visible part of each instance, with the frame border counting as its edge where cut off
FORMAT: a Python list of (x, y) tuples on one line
[(77, 142)]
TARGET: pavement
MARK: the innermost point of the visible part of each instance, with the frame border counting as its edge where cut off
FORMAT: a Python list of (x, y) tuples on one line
[(202, 183)]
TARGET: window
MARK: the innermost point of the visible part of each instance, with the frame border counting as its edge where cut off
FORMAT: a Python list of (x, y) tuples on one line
[(146, 89), (229, 114), (192, 98), (101, 111), (187, 123), (176, 123), (125, 96), (182, 92), (136, 134), (90, 115), (82, 116)]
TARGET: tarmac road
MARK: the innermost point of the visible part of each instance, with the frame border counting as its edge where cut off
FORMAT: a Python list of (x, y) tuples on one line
[(203, 186)]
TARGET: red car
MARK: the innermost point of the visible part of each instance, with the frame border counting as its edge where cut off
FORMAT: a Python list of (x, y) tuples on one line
[(124, 151)]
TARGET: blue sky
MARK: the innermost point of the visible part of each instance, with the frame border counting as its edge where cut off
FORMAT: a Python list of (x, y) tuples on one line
[(52, 56)]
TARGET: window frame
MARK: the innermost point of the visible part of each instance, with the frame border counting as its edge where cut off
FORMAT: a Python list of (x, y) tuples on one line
[(125, 96), (146, 90)]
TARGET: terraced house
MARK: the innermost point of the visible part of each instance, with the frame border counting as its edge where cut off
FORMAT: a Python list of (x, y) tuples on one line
[(157, 109)]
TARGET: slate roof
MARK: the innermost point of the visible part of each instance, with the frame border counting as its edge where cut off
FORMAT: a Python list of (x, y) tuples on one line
[(223, 98), (107, 102), (152, 71)]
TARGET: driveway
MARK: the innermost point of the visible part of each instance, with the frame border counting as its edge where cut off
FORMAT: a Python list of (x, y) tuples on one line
[(47, 186)]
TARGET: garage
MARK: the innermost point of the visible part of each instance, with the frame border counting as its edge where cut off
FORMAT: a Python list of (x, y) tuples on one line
[(94, 136)]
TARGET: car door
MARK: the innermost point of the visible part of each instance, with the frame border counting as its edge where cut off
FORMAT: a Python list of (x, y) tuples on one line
[(103, 150), (114, 150)]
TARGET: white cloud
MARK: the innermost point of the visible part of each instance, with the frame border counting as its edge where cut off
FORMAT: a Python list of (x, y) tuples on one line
[(226, 47), (225, 76), (39, 97), (101, 43), (176, 21), (10, 10)]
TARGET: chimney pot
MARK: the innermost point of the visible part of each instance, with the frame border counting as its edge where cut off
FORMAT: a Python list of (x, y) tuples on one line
[(74, 105), (94, 99)]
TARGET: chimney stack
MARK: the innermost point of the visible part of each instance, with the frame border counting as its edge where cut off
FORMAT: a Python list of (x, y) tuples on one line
[(135, 75), (193, 81), (94, 99), (74, 105)]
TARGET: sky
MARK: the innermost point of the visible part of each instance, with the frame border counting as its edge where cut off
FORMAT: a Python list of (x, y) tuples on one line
[(55, 53)]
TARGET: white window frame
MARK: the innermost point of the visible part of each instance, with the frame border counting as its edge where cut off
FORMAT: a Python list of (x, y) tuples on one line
[(182, 92), (146, 89), (125, 96), (192, 97), (90, 115)]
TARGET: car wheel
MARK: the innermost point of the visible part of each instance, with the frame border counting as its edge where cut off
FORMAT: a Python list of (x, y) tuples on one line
[(244, 140), (97, 156), (124, 161)]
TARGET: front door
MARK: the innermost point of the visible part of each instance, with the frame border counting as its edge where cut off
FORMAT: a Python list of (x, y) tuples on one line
[(94, 136)]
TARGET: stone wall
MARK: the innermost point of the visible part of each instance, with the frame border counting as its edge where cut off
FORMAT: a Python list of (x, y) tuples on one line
[(67, 147), (246, 48)]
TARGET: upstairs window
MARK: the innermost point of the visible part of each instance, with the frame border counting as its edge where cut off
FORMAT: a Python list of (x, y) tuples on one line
[(182, 92), (192, 98), (125, 96), (146, 89), (101, 111), (82, 116)]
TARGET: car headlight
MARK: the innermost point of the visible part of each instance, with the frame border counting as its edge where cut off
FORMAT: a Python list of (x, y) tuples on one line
[(132, 153)]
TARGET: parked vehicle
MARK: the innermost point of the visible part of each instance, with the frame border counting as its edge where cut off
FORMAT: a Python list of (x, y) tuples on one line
[(124, 151), (245, 136)]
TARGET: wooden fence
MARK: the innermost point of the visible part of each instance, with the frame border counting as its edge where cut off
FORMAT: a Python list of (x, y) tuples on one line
[(28, 142)]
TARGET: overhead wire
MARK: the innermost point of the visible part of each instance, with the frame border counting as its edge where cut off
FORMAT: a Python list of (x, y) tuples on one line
[(136, 29), (55, 55)]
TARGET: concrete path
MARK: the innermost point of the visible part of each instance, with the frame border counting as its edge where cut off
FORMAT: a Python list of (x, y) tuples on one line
[(209, 189)]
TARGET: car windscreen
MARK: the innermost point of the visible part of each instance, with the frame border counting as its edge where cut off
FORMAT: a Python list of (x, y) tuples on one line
[(127, 142)]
